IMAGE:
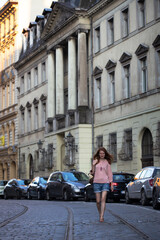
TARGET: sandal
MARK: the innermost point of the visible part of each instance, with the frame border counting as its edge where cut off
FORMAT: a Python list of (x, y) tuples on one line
[(101, 220)]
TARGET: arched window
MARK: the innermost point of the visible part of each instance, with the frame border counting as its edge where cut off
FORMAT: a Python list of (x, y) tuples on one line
[(13, 133), (147, 149)]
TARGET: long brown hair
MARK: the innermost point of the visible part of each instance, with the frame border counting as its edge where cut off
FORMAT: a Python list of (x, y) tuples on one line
[(108, 156)]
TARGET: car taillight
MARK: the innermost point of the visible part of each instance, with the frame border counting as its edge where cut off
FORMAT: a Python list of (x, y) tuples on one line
[(114, 184), (151, 182)]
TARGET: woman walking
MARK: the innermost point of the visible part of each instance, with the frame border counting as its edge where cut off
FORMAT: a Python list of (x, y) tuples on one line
[(101, 169)]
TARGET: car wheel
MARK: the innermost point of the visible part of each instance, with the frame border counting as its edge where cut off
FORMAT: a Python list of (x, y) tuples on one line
[(48, 196), (39, 195), (128, 200), (5, 196), (66, 195), (86, 198), (155, 204), (28, 195), (144, 200)]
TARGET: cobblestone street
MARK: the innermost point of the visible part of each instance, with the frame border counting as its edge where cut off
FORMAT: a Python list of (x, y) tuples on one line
[(59, 220)]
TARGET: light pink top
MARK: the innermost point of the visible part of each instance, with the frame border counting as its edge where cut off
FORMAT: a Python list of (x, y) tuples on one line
[(103, 172)]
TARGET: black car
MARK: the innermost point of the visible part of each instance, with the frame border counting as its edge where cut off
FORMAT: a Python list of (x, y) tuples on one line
[(120, 180), (15, 188), (66, 185), (37, 188), (156, 192)]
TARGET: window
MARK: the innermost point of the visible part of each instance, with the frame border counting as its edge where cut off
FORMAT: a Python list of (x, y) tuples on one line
[(113, 145), (99, 140), (3, 97), (112, 86), (158, 67), (43, 72), (157, 8), (141, 13), (22, 84), (97, 39), (29, 120), (128, 143), (43, 114), (13, 92), (29, 81), (143, 63), (36, 76), (110, 31), (98, 92), (125, 23), (36, 117), (127, 84), (8, 95), (22, 122)]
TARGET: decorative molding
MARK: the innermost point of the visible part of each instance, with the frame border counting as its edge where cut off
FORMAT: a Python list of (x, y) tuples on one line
[(28, 105), (35, 101), (110, 64), (22, 108), (125, 57), (156, 42), (142, 48), (43, 97), (97, 70)]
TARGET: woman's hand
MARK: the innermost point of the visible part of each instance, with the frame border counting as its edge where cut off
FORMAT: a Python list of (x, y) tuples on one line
[(112, 188), (95, 162)]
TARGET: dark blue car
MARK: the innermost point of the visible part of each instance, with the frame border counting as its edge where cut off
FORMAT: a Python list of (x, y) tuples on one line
[(37, 188), (66, 185)]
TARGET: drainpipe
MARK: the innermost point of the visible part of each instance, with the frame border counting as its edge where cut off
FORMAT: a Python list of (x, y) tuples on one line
[(92, 89)]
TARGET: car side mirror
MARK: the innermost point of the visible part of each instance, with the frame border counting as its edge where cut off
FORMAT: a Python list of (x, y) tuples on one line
[(59, 180)]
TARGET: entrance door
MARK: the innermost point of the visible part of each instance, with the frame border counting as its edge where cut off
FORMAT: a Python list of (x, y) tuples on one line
[(147, 149)]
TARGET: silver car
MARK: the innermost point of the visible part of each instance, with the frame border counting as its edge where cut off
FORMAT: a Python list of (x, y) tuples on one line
[(142, 185)]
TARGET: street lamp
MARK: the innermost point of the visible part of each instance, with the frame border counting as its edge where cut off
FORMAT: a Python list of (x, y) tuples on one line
[(69, 142)]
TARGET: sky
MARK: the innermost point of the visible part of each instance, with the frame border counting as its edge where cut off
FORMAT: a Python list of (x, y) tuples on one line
[(2, 2)]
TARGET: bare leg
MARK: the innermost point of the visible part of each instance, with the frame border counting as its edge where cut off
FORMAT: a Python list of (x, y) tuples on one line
[(98, 202), (103, 205)]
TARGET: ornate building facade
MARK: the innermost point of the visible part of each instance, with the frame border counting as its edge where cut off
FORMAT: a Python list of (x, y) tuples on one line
[(89, 77), (12, 18)]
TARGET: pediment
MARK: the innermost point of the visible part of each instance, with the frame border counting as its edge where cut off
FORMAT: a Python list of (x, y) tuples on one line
[(57, 18), (35, 101), (97, 70), (43, 97), (156, 42), (22, 108), (28, 105), (125, 57), (142, 48), (110, 64)]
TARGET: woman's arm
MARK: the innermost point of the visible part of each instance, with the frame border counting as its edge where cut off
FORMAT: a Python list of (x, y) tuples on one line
[(93, 166)]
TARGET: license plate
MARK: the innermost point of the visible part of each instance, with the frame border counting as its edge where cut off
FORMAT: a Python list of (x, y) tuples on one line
[(122, 192)]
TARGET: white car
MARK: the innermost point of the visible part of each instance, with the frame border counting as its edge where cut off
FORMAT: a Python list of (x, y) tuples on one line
[(142, 186), (2, 185)]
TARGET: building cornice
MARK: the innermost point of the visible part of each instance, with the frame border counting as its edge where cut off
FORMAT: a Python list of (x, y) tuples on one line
[(98, 6), (7, 8)]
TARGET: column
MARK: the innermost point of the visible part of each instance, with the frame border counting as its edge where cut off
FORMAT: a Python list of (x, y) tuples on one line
[(71, 73), (51, 85), (82, 70), (59, 81)]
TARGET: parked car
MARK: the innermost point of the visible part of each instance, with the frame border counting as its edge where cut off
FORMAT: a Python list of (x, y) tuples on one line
[(15, 188), (156, 193), (66, 185), (27, 181), (37, 188), (142, 185), (120, 180), (2, 185)]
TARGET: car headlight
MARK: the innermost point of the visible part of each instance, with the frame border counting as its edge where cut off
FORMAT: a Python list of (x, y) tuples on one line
[(75, 188)]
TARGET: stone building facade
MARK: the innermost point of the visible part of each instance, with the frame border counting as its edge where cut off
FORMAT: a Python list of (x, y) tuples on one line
[(12, 18), (89, 77)]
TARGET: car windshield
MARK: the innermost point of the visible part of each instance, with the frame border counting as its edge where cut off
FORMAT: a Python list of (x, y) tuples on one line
[(43, 180), (21, 182), (3, 183), (121, 177), (69, 177), (81, 176)]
